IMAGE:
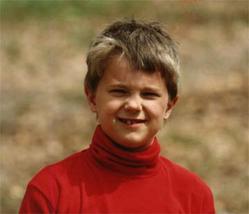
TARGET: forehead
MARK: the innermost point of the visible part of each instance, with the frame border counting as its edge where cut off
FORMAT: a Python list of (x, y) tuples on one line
[(119, 70)]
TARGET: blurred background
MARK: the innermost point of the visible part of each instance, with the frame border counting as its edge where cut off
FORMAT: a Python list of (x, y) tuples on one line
[(44, 114)]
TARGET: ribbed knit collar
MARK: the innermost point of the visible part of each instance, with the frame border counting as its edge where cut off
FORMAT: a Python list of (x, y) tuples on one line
[(116, 158)]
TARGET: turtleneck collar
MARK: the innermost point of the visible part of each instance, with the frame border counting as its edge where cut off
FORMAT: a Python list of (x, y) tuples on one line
[(116, 158)]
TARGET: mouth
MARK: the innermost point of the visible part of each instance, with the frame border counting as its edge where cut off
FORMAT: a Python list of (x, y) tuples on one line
[(129, 121)]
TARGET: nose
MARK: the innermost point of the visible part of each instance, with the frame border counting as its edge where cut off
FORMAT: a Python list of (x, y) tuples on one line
[(133, 104)]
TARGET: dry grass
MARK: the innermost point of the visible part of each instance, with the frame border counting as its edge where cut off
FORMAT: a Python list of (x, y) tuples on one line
[(44, 116)]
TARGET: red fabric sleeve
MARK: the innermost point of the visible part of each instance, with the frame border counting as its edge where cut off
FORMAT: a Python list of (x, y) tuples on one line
[(35, 201), (208, 203)]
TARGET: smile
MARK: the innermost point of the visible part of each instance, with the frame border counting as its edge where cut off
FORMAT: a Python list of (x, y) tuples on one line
[(131, 121)]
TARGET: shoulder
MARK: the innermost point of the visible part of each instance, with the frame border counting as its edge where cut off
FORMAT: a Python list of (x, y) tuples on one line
[(59, 172), (183, 179), (45, 188), (189, 187)]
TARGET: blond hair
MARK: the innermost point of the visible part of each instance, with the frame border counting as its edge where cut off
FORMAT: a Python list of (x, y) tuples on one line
[(147, 47)]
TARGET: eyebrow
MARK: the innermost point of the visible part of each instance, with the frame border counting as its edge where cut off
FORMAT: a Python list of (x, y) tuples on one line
[(120, 85), (117, 85)]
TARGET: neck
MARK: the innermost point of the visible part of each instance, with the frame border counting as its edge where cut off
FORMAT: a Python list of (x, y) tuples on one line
[(116, 157)]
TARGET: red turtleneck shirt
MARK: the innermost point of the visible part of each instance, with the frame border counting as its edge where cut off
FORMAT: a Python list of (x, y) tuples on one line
[(108, 179)]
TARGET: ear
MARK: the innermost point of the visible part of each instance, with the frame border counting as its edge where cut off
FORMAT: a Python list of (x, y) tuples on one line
[(90, 99), (171, 104)]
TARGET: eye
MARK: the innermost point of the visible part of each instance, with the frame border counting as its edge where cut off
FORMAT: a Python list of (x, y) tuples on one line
[(118, 92), (150, 95)]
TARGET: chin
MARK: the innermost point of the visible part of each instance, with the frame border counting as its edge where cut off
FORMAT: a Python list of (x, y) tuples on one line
[(133, 144)]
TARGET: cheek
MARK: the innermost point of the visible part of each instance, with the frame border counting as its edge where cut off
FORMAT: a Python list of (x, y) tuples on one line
[(108, 107), (158, 109)]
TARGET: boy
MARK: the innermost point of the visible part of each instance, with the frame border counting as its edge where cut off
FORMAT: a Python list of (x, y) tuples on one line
[(131, 85)]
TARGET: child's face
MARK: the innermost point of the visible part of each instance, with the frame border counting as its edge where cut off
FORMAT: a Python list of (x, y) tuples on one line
[(131, 106)]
